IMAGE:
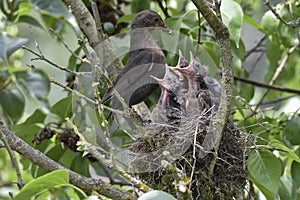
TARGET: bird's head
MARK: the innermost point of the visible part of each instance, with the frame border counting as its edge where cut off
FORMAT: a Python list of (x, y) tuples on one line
[(193, 70), (189, 70), (162, 82), (182, 62), (149, 18)]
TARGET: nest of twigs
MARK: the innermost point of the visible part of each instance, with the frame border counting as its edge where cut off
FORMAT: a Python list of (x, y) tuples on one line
[(175, 153), (170, 158)]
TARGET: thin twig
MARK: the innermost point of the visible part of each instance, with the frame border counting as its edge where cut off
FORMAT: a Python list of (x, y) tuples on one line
[(220, 119), (163, 8), (42, 57), (13, 160), (277, 72), (267, 3), (247, 106), (65, 45), (269, 149), (254, 49), (194, 156), (294, 114), (80, 95), (37, 157), (292, 23), (199, 31), (257, 61), (97, 18), (272, 87), (273, 79), (275, 101), (111, 163)]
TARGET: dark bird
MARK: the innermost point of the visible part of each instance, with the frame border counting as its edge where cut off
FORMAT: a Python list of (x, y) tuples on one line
[(167, 110), (214, 89), (146, 59), (159, 112), (172, 102), (198, 97)]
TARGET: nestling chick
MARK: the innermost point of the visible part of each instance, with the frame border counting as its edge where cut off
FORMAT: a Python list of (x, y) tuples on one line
[(198, 98)]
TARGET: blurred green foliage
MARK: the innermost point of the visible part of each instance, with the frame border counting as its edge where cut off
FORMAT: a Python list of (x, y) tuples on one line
[(272, 135)]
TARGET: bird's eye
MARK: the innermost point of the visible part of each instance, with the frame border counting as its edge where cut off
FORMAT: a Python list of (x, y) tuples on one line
[(156, 19)]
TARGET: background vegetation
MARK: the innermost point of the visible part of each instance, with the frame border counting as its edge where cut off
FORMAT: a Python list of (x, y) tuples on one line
[(41, 45)]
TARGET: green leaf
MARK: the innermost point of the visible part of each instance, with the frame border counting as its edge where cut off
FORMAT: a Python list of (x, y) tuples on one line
[(139, 5), (279, 145), (189, 23), (287, 35), (265, 169), (9, 45), (63, 108), (12, 103), (295, 172), (232, 15), (37, 117), (27, 129), (81, 165), (285, 188), (249, 20), (156, 194), (126, 18), (171, 42), (174, 23), (291, 131), (213, 50), (30, 20), (246, 91), (42, 184), (90, 135), (54, 7), (270, 23), (121, 135), (22, 8), (274, 55), (73, 59), (38, 83), (238, 55)]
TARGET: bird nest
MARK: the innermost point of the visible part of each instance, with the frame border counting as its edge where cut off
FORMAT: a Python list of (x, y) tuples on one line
[(170, 153), (170, 158)]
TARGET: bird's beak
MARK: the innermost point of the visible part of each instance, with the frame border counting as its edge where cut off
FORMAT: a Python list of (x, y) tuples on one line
[(160, 82), (167, 30), (188, 69)]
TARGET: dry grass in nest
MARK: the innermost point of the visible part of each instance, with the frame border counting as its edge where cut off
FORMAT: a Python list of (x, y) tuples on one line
[(169, 158)]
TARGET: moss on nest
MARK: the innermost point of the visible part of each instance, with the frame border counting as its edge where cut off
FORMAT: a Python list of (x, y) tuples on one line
[(168, 157)]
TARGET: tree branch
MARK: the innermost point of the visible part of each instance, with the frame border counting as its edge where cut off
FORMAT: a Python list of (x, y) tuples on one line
[(163, 8), (85, 21), (13, 160), (272, 87), (277, 73), (48, 164), (102, 47), (219, 121)]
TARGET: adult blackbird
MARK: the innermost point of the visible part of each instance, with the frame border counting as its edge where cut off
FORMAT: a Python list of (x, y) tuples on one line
[(146, 59)]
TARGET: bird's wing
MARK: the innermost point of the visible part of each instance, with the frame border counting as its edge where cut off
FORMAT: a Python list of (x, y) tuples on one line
[(136, 72)]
